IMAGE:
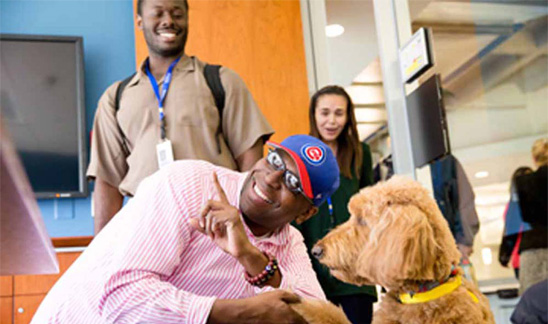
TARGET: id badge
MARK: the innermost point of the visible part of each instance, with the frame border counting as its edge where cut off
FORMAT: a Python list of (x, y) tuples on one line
[(164, 152)]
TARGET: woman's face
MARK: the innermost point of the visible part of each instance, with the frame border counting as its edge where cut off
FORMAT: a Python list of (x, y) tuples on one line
[(330, 116)]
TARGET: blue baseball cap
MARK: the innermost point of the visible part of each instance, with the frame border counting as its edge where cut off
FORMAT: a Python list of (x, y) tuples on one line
[(317, 166)]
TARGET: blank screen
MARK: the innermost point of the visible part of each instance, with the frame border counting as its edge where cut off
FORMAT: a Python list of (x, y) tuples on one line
[(39, 98), (427, 122)]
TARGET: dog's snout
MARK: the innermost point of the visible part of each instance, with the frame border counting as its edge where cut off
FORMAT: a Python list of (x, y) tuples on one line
[(317, 252)]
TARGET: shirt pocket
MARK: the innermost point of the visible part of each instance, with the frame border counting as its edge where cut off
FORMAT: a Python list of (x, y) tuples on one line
[(192, 105)]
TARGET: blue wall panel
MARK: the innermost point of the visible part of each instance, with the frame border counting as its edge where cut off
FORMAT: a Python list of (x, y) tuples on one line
[(109, 55)]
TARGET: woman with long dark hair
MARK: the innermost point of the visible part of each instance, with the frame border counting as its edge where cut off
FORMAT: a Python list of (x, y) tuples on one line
[(331, 117)]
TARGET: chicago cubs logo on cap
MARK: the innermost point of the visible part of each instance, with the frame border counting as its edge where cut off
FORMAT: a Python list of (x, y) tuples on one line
[(313, 154)]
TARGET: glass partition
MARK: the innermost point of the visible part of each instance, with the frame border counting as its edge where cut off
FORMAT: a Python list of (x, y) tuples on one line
[(492, 58)]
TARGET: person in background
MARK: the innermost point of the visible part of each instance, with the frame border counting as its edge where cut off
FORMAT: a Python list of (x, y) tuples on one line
[(533, 305), (456, 199), (167, 112), (331, 117), (513, 225), (532, 192), (204, 244)]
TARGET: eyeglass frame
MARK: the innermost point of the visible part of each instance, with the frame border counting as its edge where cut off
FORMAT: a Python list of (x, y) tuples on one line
[(283, 167)]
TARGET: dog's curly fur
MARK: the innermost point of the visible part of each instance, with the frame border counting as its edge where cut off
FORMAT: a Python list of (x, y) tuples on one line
[(397, 238), (320, 312)]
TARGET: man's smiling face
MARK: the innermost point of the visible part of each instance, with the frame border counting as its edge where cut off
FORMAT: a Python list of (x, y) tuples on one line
[(266, 201), (165, 26)]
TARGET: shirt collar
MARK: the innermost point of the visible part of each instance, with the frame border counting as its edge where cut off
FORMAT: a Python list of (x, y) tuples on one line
[(186, 63), (277, 238)]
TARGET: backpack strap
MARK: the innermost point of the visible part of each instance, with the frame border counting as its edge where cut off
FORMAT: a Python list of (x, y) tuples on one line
[(119, 91), (213, 79), (121, 86)]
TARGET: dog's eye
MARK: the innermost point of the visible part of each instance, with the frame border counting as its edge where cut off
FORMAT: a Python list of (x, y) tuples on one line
[(362, 222)]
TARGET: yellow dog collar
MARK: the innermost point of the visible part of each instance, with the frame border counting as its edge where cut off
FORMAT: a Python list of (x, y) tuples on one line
[(435, 293)]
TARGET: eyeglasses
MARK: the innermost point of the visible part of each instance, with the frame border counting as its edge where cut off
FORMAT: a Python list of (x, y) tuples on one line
[(291, 180)]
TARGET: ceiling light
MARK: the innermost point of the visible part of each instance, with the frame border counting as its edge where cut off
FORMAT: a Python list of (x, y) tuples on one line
[(334, 30), (482, 174)]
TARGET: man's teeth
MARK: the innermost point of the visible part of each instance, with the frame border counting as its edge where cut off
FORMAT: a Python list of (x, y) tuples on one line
[(168, 35), (261, 194)]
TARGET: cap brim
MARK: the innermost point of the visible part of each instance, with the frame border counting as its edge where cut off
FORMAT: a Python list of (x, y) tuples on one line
[(301, 168)]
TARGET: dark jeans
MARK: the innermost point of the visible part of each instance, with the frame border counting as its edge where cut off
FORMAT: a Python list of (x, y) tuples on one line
[(358, 308)]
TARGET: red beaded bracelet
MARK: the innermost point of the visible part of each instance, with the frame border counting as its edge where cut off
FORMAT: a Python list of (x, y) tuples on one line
[(266, 274)]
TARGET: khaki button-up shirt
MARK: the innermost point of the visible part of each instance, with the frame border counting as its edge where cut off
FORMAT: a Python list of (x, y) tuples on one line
[(123, 145)]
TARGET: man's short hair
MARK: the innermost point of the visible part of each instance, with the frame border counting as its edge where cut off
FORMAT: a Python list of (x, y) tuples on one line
[(140, 6)]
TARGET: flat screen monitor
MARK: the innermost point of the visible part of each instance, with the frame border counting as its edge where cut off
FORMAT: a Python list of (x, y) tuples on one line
[(427, 122), (42, 104)]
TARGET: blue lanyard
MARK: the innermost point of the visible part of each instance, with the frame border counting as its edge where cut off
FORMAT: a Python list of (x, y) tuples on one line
[(331, 216), (161, 97)]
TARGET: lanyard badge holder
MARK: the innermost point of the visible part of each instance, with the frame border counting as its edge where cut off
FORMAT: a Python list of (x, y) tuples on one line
[(164, 153), (164, 149)]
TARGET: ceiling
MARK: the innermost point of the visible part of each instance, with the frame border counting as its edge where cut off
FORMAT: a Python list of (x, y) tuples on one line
[(493, 60)]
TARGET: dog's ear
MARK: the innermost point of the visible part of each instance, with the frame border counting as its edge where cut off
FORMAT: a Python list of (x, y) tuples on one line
[(357, 203), (401, 247)]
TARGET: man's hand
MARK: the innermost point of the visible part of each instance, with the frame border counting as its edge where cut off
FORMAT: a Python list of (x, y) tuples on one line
[(465, 250), (222, 223), (267, 308)]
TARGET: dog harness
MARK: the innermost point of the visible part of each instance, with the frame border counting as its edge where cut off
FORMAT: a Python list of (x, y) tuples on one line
[(439, 289)]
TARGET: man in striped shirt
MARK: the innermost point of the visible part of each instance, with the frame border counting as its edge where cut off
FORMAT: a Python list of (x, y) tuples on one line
[(178, 251)]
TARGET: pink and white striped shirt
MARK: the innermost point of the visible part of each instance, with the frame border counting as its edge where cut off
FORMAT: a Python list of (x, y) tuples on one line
[(149, 265)]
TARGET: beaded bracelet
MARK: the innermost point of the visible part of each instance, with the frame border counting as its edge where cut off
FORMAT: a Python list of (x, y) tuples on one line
[(266, 274)]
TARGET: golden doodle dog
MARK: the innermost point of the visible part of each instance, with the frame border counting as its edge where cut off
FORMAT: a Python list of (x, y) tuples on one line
[(397, 237)]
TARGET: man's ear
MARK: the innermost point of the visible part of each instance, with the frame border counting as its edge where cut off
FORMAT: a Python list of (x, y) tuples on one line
[(139, 22), (306, 215)]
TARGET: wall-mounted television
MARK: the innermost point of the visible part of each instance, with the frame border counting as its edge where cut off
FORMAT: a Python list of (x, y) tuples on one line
[(42, 104), (427, 122)]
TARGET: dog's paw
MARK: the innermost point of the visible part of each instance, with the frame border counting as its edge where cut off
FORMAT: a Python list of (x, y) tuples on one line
[(320, 312)]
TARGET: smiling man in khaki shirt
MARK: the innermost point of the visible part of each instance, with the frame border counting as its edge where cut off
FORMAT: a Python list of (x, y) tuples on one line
[(123, 146)]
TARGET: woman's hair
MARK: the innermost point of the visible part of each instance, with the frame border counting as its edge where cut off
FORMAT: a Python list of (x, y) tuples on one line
[(540, 151), (518, 173), (349, 151)]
